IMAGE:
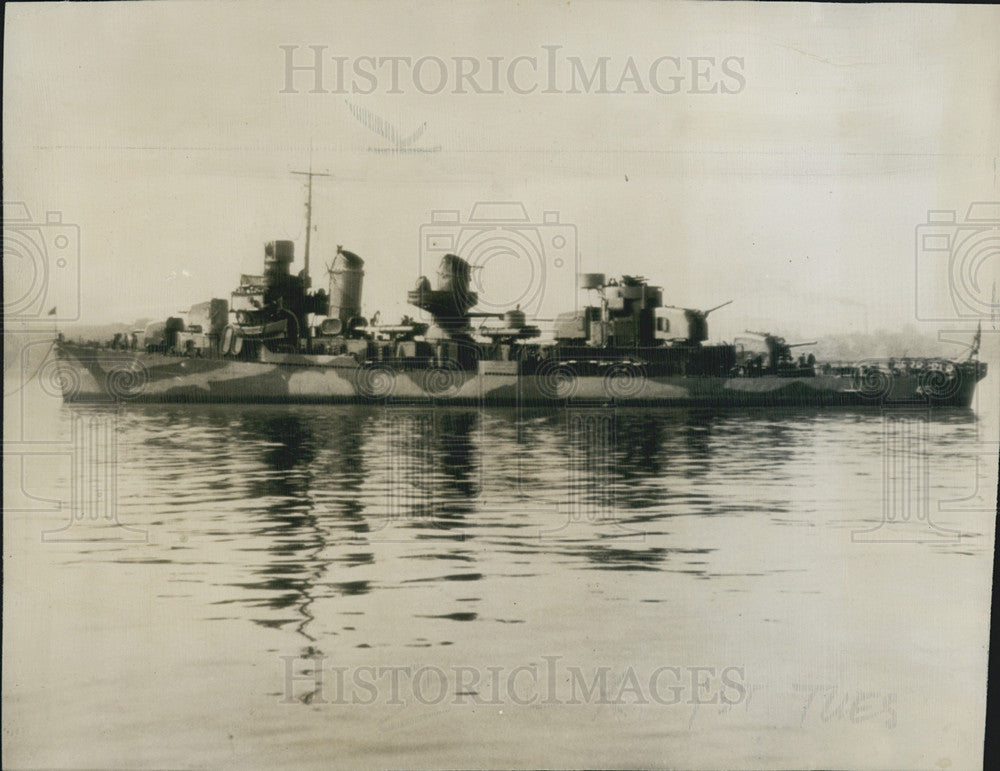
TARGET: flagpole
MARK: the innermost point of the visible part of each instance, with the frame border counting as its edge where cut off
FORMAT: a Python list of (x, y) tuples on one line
[(54, 312)]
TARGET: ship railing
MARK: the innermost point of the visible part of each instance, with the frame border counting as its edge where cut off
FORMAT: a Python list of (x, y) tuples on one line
[(889, 365)]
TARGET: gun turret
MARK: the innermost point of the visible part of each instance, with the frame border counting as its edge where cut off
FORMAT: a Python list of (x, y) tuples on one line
[(697, 321)]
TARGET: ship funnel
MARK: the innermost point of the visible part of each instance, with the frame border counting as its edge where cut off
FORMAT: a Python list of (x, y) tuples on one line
[(347, 275), (278, 255)]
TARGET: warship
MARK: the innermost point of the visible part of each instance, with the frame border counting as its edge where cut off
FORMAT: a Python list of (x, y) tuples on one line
[(276, 339)]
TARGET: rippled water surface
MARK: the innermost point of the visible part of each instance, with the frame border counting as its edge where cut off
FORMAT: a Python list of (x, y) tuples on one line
[(203, 586)]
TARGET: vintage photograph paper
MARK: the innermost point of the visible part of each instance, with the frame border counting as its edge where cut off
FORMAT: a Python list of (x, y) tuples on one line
[(499, 384)]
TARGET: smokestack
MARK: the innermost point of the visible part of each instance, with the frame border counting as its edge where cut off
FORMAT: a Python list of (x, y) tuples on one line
[(347, 276)]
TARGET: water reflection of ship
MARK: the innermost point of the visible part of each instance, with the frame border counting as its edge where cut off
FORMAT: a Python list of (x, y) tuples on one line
[(343, 470), (614, 465), (434, 467), (629, 471), (336, 483), (318, 512), (288, 524), (629, 445), (299, 522)]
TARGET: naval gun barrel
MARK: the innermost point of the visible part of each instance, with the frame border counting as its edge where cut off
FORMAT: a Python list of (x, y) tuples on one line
[(711, 310), (702, 313)]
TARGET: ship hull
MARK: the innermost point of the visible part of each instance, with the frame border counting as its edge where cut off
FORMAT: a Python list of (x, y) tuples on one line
[(85, 374)]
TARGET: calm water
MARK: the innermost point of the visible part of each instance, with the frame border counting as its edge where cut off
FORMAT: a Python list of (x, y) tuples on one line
[(366, 587)]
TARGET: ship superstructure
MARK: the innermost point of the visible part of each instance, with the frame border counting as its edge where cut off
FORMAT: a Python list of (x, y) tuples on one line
[(277, 338)]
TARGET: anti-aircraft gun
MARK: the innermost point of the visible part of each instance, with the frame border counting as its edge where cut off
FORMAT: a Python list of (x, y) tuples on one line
[(780, 359)]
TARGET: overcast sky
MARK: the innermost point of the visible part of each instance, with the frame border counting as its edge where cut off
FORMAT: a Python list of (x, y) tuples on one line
[(778, 155)]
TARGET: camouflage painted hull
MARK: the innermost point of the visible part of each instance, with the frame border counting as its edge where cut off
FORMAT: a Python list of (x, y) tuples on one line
[(92, 374)]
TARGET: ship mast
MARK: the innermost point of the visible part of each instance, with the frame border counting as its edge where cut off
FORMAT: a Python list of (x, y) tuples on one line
[(309, 197)]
